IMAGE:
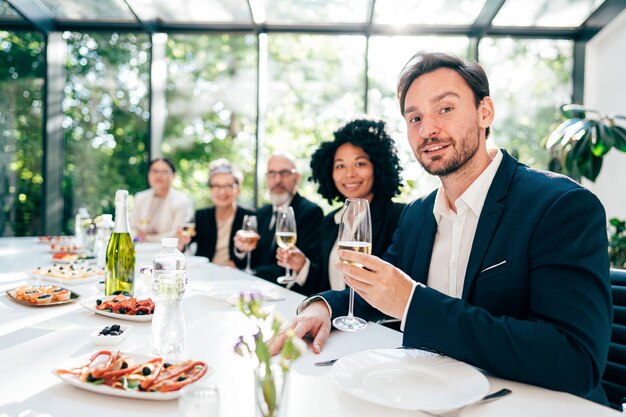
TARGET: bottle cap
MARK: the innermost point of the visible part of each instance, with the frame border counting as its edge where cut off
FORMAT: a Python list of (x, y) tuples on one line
[(121, 196), (169, 242), (107, 221)]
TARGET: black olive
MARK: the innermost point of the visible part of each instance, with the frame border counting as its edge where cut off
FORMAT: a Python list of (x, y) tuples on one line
[(181, 378), (122, 310), (140, 388), (140, 313), (98, 302), (167, 365), (90, 378), (124, 365), (115, 327), (146, 371), (114, 333), (105, 331), (110, 310)]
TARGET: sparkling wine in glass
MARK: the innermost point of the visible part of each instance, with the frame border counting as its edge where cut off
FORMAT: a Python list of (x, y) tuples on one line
[(355, 233), (250, 235), (286, 237)]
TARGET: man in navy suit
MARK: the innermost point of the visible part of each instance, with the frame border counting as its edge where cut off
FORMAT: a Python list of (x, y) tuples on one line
[(282, 183), (503, 267)]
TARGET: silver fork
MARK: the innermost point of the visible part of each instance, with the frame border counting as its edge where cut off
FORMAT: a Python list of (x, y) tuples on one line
[(487, 398)]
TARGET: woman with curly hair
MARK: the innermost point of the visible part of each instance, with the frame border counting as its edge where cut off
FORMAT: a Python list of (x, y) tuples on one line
[(361, 162)]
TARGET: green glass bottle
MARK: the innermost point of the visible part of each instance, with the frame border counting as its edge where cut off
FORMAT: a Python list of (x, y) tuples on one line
[(120, 259)]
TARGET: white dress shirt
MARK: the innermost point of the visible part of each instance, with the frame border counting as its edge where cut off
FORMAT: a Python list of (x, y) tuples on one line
[(455, 233)]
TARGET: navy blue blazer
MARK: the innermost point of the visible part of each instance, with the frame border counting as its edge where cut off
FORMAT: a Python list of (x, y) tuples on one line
[(308, 218), (542, 314), (206, 233)]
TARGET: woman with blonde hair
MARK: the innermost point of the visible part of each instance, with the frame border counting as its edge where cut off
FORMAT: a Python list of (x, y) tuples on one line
[(214, 231)]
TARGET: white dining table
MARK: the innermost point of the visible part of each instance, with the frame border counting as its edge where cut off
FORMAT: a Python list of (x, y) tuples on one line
[(36, 340)]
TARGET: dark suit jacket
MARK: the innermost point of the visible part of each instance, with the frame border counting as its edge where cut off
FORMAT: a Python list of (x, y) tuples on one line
[(206, 233), (544, 316), (385, 215), (308, 218)]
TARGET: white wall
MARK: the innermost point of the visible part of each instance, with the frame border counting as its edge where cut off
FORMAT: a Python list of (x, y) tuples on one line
[(605, 91)]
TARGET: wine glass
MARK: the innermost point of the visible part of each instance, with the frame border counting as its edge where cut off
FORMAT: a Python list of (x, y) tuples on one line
[(286, 237), (355, 233), (249, 235)]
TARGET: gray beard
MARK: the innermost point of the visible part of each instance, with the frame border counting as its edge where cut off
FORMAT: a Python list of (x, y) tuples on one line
[(279, 199)]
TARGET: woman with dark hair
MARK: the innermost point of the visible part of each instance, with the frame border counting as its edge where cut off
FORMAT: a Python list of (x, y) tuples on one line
[(361, 162), (160, 210), (216, 226)]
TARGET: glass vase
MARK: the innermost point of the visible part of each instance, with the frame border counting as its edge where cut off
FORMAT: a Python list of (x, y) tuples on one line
[(269, 386)]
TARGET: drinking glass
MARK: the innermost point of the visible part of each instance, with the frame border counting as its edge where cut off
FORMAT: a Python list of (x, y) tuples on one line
[(189, 229), (286, 237), (250, 235), (355, 233), (199, 401)]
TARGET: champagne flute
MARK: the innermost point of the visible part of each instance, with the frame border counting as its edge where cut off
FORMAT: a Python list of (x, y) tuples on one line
[(250, 235), (355, 233), (286, 237)]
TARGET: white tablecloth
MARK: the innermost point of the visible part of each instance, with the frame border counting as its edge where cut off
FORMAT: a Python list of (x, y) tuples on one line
[(33, 341)]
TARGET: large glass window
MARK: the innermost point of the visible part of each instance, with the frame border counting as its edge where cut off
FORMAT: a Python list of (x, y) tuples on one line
[(387, 57), (106, 119), (529, 80), (316, 84), (211, 109), (21, 147)]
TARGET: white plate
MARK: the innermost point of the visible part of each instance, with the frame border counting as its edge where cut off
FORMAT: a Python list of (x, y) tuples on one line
[(108, 340), (106, 390), (68, 281), (409, 379), (90, 304), (193, 261), (229, 291)]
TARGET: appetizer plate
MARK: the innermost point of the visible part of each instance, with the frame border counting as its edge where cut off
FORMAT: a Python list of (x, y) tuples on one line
[(409, 379), (107, 390), (90, 304), (68, 281), (108, 340), (73, 297)]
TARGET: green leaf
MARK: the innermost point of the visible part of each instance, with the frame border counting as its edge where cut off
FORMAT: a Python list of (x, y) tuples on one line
[(570, 111), (598, 144), (557, 136), (619, 134)]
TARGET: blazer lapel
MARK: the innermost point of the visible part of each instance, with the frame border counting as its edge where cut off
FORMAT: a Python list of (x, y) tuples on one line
[(489, 218), (425, 239)]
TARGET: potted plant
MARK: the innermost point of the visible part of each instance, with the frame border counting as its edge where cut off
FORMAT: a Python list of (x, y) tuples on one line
[(579, 144)]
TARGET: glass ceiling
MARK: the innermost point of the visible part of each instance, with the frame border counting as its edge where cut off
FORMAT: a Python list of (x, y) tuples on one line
[(550, 18)]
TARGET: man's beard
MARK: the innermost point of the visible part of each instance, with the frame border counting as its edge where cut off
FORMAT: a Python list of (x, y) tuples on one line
[(278, 199), (469, 145)]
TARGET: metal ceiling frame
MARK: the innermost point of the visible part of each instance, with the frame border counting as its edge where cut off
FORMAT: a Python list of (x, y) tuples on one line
[(39, 18)]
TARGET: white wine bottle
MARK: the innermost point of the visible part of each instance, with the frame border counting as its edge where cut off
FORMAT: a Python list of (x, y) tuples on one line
[(120, 258)]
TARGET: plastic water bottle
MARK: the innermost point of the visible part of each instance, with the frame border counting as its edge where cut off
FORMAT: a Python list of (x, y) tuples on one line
[(81, 225), (104, 230), (169, 281)]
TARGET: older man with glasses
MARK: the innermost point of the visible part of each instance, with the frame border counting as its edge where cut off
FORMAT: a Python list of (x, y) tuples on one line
[(282, 181)]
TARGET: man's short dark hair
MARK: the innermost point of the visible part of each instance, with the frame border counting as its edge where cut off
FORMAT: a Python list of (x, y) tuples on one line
[(424, 62)]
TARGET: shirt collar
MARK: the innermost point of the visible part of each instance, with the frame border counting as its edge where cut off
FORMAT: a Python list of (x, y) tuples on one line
[(474, 197)]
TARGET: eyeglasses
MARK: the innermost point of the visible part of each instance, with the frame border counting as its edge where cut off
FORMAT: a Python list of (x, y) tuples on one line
[(284, 173), (225, 187), (160, 171)]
